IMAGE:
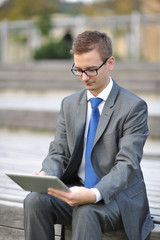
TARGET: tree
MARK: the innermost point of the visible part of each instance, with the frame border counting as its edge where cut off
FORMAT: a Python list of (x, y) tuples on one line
[(25, 9), (103, 8), (44, 24)]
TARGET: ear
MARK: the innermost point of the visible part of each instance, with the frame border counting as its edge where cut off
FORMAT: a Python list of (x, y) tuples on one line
[(110, 63)]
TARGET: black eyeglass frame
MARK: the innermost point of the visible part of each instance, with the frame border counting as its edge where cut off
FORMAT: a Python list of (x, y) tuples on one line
[(85, 71)]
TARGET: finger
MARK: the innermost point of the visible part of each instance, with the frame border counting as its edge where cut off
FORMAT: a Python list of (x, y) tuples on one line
[(35, 173), (43, 173), (61, 197), (56, 193), (40, 173)]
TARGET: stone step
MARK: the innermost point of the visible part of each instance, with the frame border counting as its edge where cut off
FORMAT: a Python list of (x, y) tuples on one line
[(40, 110), (46, 120), (43, 75), (24, 150)]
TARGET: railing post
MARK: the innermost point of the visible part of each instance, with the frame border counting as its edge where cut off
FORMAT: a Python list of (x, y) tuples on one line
[(3, 41), (135, 36)]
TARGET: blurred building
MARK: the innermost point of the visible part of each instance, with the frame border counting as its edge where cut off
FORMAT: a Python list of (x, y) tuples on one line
[(135, 36), (150, 7)]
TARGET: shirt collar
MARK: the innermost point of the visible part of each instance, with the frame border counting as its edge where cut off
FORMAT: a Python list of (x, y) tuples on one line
[(104, 94)]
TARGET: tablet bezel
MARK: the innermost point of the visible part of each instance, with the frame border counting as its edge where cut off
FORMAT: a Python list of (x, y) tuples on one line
[(37, 183)]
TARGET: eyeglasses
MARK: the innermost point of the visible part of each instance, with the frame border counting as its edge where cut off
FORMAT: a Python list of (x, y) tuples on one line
[(91, 72)]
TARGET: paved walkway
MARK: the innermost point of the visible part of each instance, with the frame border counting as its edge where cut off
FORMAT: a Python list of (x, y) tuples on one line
[(24, 150), (51, 101), (32, 101)]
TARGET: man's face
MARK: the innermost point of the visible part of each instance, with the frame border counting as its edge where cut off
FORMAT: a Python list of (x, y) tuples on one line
[(92, 60)]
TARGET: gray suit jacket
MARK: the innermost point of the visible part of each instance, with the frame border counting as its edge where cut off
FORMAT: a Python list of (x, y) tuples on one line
[(116, 154)]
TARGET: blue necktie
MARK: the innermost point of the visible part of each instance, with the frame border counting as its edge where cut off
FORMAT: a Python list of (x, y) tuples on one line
[(90, 176)]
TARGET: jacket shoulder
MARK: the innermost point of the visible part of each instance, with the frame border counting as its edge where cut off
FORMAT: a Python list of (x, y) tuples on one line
[(128, 97), (76, 97)]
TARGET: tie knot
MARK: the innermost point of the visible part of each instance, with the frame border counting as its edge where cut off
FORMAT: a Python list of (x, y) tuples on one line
[(95, 102)]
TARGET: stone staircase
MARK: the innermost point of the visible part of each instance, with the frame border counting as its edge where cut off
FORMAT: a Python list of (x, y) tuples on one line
[(31, 92), (49, 75)]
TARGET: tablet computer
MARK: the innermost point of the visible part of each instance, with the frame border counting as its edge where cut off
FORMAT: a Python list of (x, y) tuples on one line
[(37, 183)]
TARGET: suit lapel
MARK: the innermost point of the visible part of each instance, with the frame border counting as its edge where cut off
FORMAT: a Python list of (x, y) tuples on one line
[(107, 112), (76, 157), (81, 117)]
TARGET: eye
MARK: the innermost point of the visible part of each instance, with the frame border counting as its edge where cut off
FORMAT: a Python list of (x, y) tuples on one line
[(79, 71), (91, 72), (76, 72)]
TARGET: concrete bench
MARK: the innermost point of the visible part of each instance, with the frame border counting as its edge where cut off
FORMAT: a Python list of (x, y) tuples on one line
[(16, 155), (11, 225), (11, 214)]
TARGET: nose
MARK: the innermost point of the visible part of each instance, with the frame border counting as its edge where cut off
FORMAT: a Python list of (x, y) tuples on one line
[(84, 77)]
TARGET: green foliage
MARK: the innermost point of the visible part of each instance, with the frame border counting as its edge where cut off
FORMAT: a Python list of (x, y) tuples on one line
[(44, 24), (24, 9), (53, 50), (19, 37), (99, 8), (73, 8), (125, 6)]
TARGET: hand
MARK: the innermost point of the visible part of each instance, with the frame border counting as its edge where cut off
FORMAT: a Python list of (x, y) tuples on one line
[(76, 196), (42, 173)]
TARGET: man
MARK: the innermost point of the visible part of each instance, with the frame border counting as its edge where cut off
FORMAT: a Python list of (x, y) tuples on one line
[(100, 161)]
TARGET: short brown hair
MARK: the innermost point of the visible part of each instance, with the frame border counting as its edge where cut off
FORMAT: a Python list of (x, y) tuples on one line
[(89, 40)]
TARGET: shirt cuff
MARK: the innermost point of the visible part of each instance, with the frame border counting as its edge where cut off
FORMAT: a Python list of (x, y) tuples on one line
[(98, 195)]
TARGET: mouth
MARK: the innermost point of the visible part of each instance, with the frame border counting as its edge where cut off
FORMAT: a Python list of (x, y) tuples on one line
[(88, 83)]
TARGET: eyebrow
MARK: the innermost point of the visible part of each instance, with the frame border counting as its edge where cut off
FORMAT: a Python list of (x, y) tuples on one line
[(87, 68)]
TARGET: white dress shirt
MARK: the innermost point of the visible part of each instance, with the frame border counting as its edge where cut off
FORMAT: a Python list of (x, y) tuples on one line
[(103, 95)]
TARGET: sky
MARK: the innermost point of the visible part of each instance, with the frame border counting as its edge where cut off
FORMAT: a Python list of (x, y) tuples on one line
[(1, 1)]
